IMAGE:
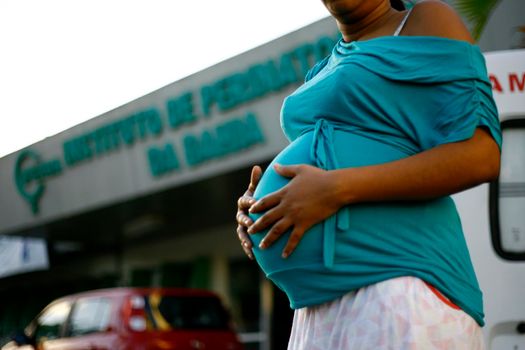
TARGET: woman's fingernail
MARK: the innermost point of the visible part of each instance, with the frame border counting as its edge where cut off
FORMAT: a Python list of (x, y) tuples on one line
[(285, 255), (245, 244), (253, 206), (262, 245)]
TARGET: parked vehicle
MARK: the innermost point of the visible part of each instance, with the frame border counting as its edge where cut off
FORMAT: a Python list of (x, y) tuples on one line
[(493, 215), (131, 319)]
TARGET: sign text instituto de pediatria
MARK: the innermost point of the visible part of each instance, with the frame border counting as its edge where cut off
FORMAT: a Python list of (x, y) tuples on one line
[(222, 138)]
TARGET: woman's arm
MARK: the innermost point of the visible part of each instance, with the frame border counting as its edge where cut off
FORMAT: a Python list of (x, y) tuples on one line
[(443, 170), (313, 194)]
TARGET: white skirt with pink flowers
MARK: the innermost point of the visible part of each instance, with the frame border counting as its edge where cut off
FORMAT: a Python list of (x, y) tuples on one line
[(399, 314)]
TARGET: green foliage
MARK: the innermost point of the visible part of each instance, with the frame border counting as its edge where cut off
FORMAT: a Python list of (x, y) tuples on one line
[(476, 12)]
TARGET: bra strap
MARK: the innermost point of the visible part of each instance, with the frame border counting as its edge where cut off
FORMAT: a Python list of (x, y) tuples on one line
[(402, 24)]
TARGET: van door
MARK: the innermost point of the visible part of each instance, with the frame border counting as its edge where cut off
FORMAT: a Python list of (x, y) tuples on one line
[(507, 208), (493, 216)]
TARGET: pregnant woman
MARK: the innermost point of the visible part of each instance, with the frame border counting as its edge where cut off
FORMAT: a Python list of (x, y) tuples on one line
[(353, 220)]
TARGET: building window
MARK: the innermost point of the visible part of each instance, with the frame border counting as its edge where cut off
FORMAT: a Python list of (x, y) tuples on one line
[(507, 194)]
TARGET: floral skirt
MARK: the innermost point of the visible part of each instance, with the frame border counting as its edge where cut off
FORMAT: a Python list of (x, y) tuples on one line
[(398, 314)]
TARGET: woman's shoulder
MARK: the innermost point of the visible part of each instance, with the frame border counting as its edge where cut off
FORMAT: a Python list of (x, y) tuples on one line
[(438, 19)]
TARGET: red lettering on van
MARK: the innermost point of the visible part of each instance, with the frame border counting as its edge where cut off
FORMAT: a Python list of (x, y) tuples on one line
[(496, 86), (515, 82)]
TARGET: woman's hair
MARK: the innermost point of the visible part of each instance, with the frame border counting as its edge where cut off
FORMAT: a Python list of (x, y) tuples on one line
[(398, 4)]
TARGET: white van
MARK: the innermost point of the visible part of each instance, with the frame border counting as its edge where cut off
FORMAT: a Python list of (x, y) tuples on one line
[(493, 215)]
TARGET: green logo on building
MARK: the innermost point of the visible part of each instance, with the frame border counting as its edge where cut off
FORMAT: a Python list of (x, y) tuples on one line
[(30, 173)]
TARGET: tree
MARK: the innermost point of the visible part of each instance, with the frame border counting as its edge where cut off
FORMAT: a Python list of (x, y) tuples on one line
[(476, 12)]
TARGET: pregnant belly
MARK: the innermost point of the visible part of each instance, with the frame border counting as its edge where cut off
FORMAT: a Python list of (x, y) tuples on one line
[(350, 150)]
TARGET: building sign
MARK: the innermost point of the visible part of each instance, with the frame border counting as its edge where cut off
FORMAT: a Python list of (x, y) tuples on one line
[(30, 175), (216, 139)]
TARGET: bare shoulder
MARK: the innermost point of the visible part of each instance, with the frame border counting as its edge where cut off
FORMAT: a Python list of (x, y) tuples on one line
[(436, 18)]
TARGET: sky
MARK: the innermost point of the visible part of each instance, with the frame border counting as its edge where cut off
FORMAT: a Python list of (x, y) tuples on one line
[(63, 62)]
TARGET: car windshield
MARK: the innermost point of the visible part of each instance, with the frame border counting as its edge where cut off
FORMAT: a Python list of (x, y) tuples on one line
[(186, 312)]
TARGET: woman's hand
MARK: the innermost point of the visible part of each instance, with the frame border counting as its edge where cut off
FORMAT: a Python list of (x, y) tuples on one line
[(243, 204), (310, 197)]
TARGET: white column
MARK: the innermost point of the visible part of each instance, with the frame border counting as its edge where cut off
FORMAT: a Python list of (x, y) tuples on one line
[(220, 278), (266, 312)]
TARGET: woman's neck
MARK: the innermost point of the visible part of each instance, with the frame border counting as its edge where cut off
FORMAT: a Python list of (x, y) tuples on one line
[(360, 25)]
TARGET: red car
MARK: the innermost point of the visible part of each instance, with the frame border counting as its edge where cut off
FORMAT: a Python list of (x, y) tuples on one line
[(131, 319)]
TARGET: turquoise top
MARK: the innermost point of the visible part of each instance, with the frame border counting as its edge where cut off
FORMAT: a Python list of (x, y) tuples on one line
[(372, 102)]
